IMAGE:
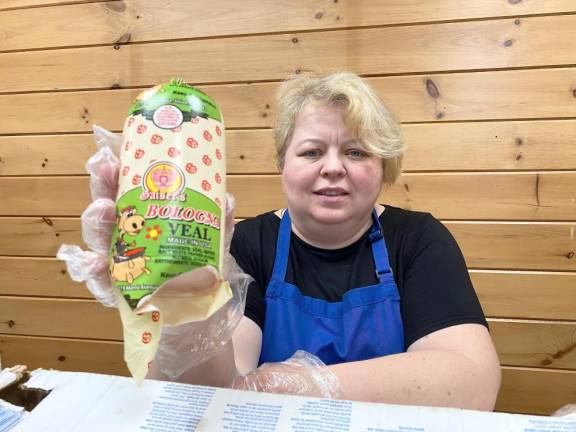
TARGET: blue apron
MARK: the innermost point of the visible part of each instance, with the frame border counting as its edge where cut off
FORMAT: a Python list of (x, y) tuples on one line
[(366, 324)]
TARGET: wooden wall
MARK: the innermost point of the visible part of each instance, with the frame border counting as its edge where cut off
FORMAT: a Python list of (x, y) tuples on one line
[(486, 91)]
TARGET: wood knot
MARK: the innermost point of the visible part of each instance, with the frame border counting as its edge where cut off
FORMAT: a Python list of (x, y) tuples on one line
[(115, 86), (570, 255), (546, 362), (574, 93), (116, 47), (406, 187), (116, 6), (242, 157), (124, 39), (519, 141), (47, 221), (513, 2), (439, 115), (508, 42), (319, 15), (432, 89), (63, 271), (297, 71), (518, 157), (517, 22), (295, 40), (11, 323), (267, 106), (61, 358)]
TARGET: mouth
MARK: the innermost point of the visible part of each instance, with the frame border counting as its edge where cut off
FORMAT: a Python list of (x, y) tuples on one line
[(331, 192)]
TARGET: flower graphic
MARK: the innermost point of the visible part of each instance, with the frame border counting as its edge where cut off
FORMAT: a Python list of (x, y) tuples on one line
[(153, 232)]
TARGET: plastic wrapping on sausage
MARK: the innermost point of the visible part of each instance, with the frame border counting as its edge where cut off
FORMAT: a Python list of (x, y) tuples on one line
[(195, 341)]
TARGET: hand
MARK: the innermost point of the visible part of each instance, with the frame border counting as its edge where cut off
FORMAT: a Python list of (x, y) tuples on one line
[(183, 346), (302, 374), (97, 222)]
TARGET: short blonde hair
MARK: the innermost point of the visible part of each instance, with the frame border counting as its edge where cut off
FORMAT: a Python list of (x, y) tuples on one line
[(364, 113)]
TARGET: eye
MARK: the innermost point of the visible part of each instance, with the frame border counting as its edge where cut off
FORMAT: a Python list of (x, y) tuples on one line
[(310, 153), (135, 225), (357, 153)]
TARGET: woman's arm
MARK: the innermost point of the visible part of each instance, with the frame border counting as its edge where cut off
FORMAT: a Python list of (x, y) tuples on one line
[(453, 367), (239, 356)]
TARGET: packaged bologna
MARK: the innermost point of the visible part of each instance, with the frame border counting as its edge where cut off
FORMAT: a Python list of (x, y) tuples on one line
[(171, 197)]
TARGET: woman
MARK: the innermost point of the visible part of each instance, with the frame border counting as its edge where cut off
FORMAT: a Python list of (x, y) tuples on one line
[(380, 294), (350, 298)]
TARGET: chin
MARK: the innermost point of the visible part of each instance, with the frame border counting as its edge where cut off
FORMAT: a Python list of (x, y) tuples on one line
[(331, 216)]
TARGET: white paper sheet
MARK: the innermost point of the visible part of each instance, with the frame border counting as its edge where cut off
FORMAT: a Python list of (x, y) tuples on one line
[(82, 402)]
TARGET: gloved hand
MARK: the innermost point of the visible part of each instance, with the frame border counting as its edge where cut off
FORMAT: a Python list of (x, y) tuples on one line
[(181, 347), (97, 221), (302, 374)]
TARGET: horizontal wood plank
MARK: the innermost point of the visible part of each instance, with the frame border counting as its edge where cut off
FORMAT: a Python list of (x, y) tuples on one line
[(483, 146), (520, 343), (492, 196), (520, 246), (75, 355), (535, 344), (42, 277), (38, 236), (533, 295), (485, 245), (60, 318), (153, 20), (527, 94), (534, 391), (503, 294), (529, 391), (495, 44), (13, 4)]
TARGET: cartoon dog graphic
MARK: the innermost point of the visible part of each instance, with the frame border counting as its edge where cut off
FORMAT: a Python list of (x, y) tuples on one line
[(128, 264)]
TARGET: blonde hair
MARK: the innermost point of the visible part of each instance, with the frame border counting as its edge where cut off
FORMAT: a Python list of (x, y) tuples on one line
[(364, 114)]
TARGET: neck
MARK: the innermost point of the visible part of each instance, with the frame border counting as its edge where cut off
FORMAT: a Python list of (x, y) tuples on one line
[(333, 236)]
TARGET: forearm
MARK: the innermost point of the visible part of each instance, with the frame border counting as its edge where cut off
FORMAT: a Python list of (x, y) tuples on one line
[(218, 371), (433, 378)]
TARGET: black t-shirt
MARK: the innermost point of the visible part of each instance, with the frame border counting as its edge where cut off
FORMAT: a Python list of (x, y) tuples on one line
[(428, 267)]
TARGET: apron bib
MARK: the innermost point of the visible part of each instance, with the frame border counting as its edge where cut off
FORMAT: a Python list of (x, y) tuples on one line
[(366, 324)]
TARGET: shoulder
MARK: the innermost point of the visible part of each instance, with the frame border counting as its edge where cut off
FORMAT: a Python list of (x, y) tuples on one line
[(409, 221), (257, 225), (412, 232), (255, 234)]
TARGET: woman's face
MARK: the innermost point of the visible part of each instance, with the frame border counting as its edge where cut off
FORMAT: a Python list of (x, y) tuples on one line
[(328, 178)]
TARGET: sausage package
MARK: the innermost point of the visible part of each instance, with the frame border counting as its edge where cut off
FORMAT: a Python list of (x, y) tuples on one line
[(172, 188), (170, 216)]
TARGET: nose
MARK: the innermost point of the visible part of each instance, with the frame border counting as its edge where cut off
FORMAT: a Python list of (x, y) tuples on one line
[(333, 165)]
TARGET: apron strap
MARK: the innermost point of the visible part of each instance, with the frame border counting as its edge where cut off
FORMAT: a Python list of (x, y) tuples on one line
[(282, 248), (379, 252)]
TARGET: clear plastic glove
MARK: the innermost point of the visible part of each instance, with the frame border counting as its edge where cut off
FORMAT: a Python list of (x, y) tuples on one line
[(97, 221), (302, 374), (181, 347)]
